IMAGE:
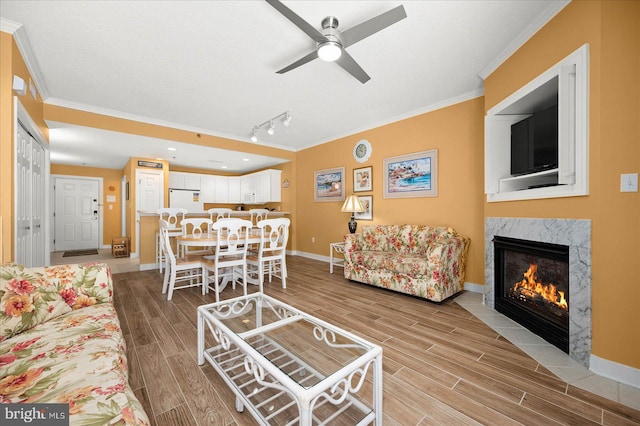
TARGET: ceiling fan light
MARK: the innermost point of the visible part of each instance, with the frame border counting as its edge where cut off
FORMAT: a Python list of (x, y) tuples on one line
[(329, 51)]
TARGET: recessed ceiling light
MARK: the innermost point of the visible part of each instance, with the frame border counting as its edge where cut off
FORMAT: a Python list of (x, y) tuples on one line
[(245, 159), (224, 167), (171, 149)]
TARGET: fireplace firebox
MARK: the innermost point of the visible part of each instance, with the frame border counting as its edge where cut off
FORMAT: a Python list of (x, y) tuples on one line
[(532, 287)]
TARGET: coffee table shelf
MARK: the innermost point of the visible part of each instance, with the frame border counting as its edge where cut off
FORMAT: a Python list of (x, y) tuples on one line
[(288, 367)]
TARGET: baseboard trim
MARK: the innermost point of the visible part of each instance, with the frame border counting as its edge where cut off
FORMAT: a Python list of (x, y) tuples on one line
[(310, 256), (615, 371), (473, 287), (148, 266)]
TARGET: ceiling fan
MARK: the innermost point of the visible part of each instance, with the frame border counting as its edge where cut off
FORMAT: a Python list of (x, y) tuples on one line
[(331, 43)]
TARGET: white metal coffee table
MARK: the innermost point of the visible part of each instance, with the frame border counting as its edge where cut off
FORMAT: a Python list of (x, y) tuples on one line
[(288, 367)]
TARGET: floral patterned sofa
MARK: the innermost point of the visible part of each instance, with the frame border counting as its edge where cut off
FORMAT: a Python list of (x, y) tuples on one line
[(424, 261), (60, 342)]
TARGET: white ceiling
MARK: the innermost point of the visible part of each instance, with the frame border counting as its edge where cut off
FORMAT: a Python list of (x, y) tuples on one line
[(210, 67)]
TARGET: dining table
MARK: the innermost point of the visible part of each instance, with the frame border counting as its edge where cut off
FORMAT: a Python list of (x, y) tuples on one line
[(210, 239)]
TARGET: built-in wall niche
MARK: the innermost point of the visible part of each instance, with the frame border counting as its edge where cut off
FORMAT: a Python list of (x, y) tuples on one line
[(565, 84)]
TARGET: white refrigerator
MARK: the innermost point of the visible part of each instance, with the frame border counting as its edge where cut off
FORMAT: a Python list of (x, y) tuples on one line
[(186, 198)]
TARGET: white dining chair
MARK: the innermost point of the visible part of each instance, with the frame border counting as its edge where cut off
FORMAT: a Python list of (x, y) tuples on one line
[(230, 255), (219, 213), (173, 215), (196, 227), (271, 256), (179, 272), (258, 214)]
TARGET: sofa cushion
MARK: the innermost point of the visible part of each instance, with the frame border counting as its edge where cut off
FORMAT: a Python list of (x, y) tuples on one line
[(422, 237), (27, 298), (82, 285), (79, 359), (385, 237), (400, 263)]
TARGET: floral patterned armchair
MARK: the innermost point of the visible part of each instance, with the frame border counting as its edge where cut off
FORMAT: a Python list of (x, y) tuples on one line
[(424, 261), (60, 342)]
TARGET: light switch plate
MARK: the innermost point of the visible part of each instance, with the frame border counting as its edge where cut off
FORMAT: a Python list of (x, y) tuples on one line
[(629, 182)]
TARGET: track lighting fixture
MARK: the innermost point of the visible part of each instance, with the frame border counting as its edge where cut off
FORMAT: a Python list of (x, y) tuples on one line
[(287, 119), (271, 129)]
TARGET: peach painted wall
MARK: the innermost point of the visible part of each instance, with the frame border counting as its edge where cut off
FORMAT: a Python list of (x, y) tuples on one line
[(111, 185), (12, 63), (612, 29), (456, 131)]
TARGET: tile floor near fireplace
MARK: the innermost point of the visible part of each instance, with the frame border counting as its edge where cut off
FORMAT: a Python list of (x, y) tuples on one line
[(548, 355)]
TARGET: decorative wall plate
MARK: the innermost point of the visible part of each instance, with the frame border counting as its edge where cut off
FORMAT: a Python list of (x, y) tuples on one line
[(362, 151)]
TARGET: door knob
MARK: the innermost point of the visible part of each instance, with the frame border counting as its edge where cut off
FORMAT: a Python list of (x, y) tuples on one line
[(27, 227)]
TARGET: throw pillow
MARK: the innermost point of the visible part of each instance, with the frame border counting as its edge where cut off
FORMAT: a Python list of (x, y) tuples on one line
[(27, 299)]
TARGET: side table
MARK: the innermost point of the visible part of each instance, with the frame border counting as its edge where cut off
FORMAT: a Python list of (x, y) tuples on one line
[(338, 248)]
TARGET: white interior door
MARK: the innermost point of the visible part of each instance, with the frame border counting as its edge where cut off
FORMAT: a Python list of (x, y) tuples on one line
[(30, 199), (23, 197), (38, 200), (149, 195), (77, 217)]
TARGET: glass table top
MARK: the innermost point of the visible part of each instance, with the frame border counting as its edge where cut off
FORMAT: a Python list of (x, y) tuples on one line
[(305, 348)]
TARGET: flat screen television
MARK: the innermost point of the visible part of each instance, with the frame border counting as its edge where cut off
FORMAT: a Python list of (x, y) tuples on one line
[(534, 143)]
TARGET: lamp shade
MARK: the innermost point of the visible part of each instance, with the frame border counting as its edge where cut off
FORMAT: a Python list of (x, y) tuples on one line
[(352, 204)]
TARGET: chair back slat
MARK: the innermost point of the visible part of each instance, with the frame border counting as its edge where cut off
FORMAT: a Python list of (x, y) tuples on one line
[(174, 216), (216, 214), (232, 235), (196, 226), (274, 234), (258, 214)]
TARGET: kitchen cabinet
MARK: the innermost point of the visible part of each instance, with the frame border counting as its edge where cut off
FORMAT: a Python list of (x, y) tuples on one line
[(234, 189), (253, 188), (208, 188), (180, 180)]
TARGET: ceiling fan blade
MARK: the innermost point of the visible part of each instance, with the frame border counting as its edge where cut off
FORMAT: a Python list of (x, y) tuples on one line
[(308, 58), (351, 66), (372, 26), (316, 35)]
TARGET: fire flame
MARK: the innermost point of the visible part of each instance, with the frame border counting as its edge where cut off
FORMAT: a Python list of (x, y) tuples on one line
[(532, 287)]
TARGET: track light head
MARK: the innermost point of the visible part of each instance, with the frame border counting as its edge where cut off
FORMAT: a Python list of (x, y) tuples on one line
[(286, 121)]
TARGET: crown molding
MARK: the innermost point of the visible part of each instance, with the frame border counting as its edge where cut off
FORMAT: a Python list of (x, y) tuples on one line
[(9, 26), (141, 119), (20, 37), (534, 26)]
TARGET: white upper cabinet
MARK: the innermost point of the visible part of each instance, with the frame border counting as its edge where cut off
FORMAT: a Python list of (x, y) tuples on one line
[(234, 189), (208, 188), (254, 188), (180, 180), (566, 85)]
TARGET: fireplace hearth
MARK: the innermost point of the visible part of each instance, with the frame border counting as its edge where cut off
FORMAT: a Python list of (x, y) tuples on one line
[(532, 286)]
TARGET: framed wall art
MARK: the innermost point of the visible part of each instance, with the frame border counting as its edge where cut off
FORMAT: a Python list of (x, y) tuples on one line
[(329, 184), (411, 175), (362, 179), (367, 202)]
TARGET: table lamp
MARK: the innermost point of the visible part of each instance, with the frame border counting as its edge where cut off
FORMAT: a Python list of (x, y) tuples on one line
[(352, 205)]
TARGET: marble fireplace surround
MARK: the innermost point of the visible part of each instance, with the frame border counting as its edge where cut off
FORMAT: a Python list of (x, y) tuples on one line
[(575, 233)]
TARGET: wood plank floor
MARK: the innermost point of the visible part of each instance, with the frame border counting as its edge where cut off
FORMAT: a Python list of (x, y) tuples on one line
[(441, 364)]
